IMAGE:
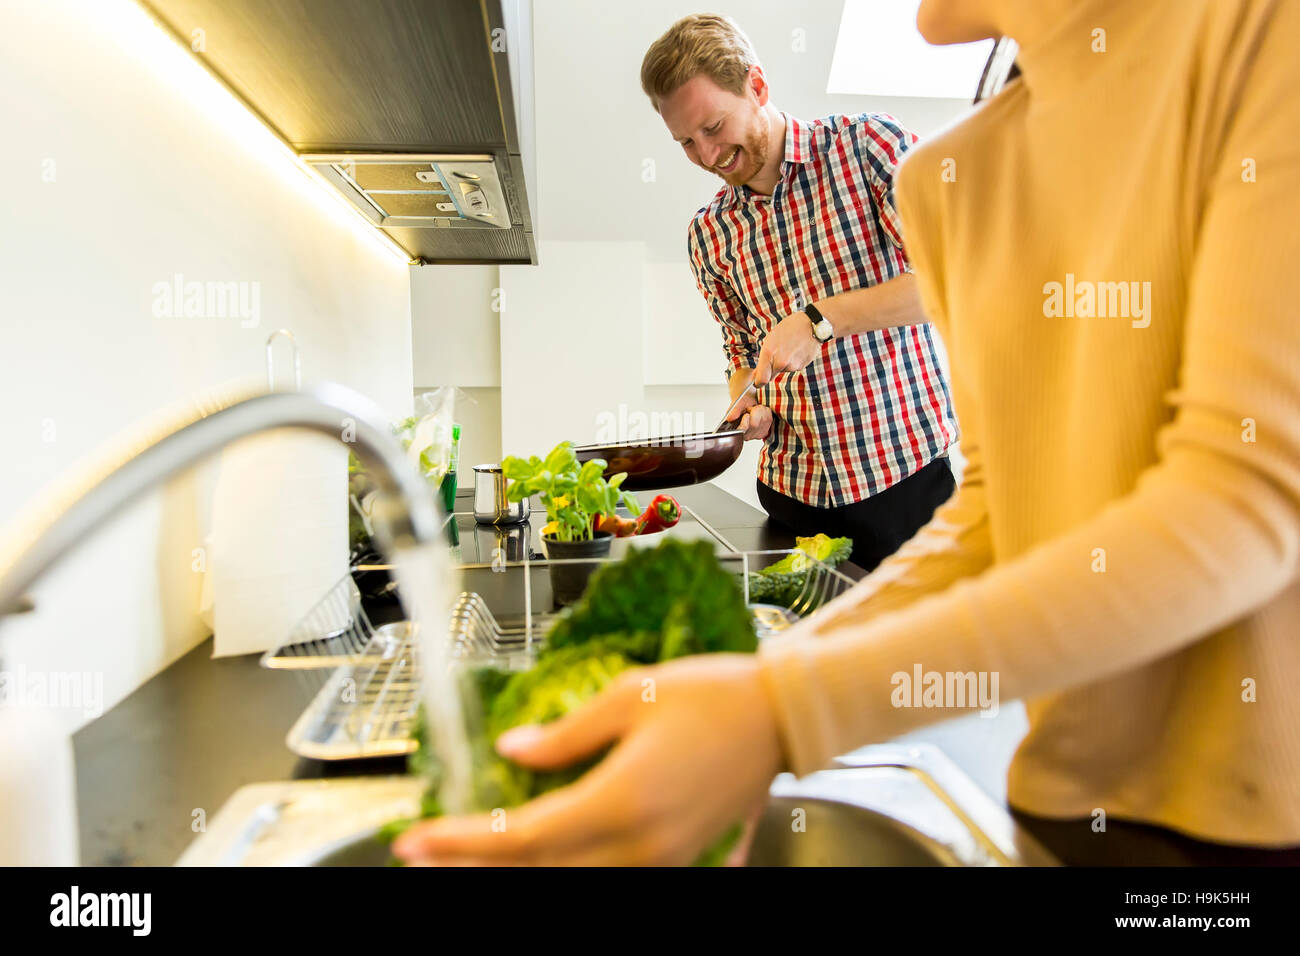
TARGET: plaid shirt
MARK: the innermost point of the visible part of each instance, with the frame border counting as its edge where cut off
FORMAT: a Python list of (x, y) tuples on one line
[(872, 408)]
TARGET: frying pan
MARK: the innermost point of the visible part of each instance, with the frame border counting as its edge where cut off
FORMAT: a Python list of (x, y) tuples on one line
[(668, 462), (676, 460)]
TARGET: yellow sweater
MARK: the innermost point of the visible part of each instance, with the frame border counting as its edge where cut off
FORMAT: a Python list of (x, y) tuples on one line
[(1123, 550)]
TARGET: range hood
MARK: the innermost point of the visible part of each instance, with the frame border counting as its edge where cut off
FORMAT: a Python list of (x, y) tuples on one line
[(419, 112), (421, 192)]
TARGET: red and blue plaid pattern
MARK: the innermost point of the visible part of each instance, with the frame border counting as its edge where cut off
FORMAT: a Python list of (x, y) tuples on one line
[(872, 408)]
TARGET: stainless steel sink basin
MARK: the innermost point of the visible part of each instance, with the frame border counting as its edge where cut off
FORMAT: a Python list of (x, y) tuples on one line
[(834, 834), (840, 834), (881, 806)]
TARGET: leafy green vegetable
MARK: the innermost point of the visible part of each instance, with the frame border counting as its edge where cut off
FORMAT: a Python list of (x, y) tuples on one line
[(716, 855), (780, 589), (560, 682), (656, 604), (829, 551), (391, 830), (786, 581), (678, 592)]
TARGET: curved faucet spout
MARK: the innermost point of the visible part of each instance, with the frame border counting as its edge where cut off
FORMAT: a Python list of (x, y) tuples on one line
[(405, 513)]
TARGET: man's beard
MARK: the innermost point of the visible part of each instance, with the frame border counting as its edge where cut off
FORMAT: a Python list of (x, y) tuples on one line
[(754, 153)]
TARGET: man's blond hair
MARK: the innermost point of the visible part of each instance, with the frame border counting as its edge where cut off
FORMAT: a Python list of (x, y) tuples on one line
[(698, 45)]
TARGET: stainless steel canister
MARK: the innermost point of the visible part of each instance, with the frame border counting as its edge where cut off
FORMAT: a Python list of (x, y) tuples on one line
[(502, 543), (490, 503)]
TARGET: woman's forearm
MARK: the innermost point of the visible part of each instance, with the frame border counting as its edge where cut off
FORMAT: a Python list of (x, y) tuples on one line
[(1201, 543)]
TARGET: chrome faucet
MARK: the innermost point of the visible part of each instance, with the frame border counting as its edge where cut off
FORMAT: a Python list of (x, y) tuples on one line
[(405, 513)]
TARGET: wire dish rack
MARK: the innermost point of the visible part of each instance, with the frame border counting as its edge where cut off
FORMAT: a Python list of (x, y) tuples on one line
[(361, 664)]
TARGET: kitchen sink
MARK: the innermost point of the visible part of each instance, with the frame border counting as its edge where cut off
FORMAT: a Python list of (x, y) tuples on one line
[(884, 805), (840, 834), (831, 834)]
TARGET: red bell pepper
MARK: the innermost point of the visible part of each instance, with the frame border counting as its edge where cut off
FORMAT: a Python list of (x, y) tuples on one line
[(662, 513)]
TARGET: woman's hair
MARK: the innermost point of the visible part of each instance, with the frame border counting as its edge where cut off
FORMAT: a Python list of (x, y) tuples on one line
[(701, 44)]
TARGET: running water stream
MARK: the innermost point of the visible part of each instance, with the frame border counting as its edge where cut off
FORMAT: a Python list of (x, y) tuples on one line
[(428, 583)]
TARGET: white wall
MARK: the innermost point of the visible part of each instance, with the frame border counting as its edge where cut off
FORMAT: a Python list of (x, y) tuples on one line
[(456, 341), (573, 327), (120, 174), (584, 331)]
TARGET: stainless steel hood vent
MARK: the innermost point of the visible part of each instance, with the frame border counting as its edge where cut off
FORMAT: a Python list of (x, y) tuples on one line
[(422, 191)]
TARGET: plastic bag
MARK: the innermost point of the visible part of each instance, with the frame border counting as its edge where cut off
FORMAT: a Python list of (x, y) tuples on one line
[(427, 435), (427, 438)]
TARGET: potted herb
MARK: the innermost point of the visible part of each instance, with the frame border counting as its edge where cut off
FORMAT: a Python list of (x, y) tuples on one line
[(574, 495)]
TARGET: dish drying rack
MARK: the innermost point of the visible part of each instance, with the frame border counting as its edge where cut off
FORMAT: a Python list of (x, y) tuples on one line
[(363, 673)]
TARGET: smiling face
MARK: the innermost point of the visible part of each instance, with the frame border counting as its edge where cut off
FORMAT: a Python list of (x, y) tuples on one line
[(719, 131)]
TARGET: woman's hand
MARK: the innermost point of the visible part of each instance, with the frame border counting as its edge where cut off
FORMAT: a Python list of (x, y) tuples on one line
[(695, 750)]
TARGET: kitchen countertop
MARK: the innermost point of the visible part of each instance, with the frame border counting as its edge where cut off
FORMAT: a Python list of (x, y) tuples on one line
[(152, 770)]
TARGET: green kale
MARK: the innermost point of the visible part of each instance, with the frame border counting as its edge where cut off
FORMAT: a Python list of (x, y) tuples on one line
[(678, 591), (780, 589), (559, 683), (656, 604), (562, 681)]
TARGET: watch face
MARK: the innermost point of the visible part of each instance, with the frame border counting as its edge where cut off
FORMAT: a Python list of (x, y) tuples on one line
[(823, 330)]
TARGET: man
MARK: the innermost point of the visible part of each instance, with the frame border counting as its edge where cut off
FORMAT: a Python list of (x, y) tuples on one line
[(800, 260)]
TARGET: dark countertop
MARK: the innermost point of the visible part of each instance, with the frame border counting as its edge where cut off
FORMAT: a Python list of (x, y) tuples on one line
[(153, 768)]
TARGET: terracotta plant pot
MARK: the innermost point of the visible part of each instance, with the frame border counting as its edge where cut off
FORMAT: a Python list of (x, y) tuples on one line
[(568, 581)]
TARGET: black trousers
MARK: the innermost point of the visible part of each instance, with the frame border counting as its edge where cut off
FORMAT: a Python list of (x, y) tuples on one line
[(878, 525), (1124, 843)]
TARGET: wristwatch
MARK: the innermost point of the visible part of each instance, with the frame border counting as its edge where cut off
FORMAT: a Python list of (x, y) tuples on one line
[(821, 325)]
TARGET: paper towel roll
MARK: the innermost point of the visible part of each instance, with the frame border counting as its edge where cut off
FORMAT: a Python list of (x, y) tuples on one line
[(38, 790), (279, 537)]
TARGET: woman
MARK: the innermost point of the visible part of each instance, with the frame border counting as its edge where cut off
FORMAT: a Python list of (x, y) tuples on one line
[(1109, 250)]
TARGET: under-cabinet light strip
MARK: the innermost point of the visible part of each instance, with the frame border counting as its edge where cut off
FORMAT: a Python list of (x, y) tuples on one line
[(138, 31)]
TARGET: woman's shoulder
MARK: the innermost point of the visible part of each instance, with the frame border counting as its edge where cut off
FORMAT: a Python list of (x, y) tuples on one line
[(981, 132)]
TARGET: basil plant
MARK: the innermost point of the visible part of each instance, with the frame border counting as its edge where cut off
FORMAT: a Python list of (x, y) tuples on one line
[(574, 494)]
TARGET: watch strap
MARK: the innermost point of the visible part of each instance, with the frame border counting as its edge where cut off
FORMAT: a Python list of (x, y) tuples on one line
[(815, 316)]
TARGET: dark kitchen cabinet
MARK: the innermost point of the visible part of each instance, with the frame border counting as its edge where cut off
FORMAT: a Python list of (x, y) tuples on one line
[(384, 77)]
